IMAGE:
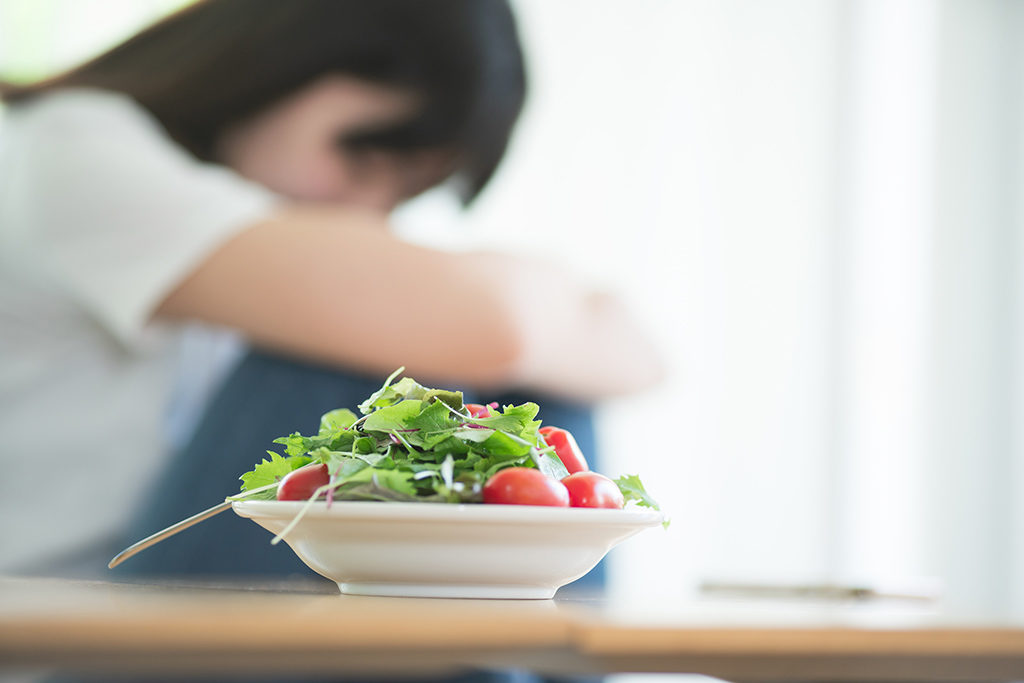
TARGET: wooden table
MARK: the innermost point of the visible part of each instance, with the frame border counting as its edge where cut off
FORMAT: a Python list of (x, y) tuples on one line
[(123, 628)]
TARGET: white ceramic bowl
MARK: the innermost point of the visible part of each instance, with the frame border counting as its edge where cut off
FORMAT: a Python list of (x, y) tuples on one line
[(449, 551)]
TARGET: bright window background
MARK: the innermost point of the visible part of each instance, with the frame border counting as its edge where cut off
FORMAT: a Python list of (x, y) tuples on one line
[(817, 206), (38, 37)]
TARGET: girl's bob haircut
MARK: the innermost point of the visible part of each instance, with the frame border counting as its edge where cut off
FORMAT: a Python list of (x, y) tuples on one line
[(217, 62)]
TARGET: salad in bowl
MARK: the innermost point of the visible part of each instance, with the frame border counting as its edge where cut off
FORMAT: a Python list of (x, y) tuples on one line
[(422, 494)]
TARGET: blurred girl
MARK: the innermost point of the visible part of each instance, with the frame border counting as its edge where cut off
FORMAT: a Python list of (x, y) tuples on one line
[(235, 165)]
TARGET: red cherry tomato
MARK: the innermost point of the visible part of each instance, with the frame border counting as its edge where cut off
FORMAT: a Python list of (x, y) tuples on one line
[(593, 490), (566, 449), (477, 410), (301, 483), (525, 486)]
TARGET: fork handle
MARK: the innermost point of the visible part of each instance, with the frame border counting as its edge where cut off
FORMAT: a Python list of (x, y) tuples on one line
[(136, 548)]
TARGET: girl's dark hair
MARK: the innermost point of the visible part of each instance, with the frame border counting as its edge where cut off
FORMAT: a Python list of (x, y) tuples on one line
[(220, 61)]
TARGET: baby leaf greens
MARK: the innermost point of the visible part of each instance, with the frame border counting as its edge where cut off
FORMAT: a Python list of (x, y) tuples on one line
[(633, 490), (412, 444), (270, 472)]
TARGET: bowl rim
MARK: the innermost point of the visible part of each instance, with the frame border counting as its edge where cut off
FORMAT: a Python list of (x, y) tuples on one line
[(449, 512)]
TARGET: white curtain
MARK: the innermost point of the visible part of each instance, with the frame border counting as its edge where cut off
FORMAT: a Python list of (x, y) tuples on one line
[(928, 442)]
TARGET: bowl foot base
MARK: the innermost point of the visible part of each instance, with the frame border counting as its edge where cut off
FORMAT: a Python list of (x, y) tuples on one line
[(426, 590)]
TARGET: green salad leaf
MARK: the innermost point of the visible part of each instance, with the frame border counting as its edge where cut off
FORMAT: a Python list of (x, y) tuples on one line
[(336, 420), (413, 443), (633, 490), (390, 394), (271, 472)]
